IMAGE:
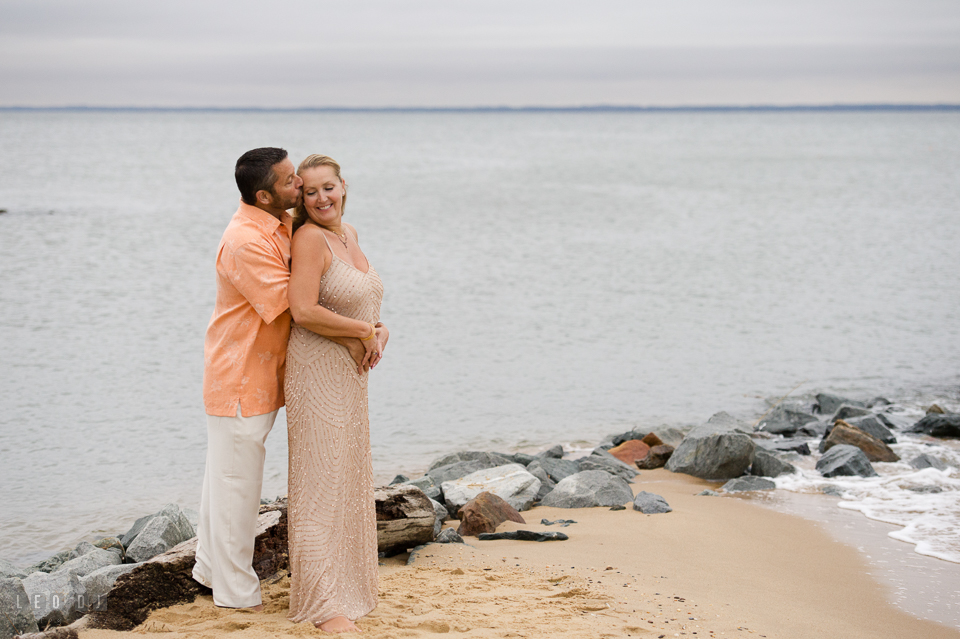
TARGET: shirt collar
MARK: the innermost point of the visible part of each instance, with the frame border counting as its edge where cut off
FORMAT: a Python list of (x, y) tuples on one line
[(264, 219)]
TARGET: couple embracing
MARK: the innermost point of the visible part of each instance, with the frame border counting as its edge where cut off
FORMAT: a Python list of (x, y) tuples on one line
[(296, 320)]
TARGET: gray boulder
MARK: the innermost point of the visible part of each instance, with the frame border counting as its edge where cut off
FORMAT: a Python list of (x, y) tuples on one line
[(718, 449), (90, 562), (611, 465), (636, 433), (97, 585), (554, 452), (518, 458), (927, 461), (558, 469), (162, 532), (871, 425), (490, 460), (442, 516), (938, 425), (456, 470), (845, 460), (449, 536), (786, 421), (784, 446), (769, 465), (651, 504), (52, 563), (747, 484), (845, 412), (429, 487), (510, 482), (587, 489), (135, 529), (16, 617), (828, 404), (56, 598), (399, 479), (8, 570), (546, 484)]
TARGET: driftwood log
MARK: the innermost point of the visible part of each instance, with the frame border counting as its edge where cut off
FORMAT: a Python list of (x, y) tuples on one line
[(405, 518), (167, 579)]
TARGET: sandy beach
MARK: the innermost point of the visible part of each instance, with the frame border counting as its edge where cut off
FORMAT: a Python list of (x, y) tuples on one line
[(715, 566)]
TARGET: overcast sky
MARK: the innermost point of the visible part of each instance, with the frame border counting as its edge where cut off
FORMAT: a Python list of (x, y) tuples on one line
[(469, 53)]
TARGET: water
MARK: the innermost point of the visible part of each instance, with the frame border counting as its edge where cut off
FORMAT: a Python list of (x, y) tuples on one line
[(550, 277)]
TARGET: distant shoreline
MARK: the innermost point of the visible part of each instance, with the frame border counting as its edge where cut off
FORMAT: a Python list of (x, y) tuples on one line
[(601, 108)]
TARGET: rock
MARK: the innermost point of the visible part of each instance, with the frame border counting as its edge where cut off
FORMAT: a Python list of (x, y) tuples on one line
[(785, 445), (8, 570), (441, 516), (16, 617), (55, 598), (112, 544), (926, 489), (768, 465), (845, 460), (489, 460), (651, 440), (830, 489), (399, 479), (135, 529), (166, 579), (524, 535), (518, 458), (619, 507), (871, 425), (429, 487), (638, 434), (510, 482), (828, 404), (812, 429), (708, 493), (786, 421), (90, 562), (844, 433), (52, 563), (938, 425), (935, 410), (610, 464), (405, 518), (747, 484), (563, 523), (630, 451), (878, 401), (554, 452), (484, 513), (715, 450), (163, 531), (558, 469), (587, 489), (656, 458), (456, 470), (846, 412), (927, 461), (449, 536), (98, 584), (651, 504), (546, 484)]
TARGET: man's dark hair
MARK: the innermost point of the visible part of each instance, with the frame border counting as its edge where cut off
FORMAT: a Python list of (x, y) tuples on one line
[(254, 172)]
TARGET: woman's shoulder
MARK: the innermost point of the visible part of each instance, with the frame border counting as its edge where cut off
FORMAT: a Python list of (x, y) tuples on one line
[(310, 237)]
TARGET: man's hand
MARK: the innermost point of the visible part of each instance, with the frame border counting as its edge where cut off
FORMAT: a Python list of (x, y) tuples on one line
[(357, 351)]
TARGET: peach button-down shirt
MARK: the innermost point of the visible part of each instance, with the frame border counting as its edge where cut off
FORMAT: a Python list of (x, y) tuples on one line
[(246, 344)]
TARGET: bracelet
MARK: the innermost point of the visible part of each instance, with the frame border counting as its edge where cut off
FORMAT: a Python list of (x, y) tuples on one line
[(373, 333)]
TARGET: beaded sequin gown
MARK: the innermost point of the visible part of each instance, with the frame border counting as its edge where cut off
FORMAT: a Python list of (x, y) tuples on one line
[(331, 516)]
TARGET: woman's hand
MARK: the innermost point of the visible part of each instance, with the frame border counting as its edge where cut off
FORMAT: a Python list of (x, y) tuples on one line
[(371, 346), (383, 336)]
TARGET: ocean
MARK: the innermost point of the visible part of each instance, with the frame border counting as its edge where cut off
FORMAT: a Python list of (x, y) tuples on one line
[(551, 277)]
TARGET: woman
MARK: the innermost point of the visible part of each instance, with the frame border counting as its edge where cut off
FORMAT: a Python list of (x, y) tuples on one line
[(332, 521)]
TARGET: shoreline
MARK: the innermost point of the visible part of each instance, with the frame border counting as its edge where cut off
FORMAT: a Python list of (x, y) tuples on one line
[(713, 567)]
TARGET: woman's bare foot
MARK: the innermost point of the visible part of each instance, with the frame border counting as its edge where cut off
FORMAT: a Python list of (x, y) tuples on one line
[(338, 624)]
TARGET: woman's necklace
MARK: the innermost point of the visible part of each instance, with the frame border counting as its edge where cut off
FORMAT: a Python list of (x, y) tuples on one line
[(342, 238)]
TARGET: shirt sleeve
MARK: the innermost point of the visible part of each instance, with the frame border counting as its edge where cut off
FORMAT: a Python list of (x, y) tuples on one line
[(258, 272)]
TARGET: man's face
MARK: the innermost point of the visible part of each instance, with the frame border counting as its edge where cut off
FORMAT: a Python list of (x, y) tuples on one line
[(286, 189)]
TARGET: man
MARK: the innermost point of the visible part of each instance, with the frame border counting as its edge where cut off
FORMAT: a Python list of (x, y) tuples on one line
[(244, 355)]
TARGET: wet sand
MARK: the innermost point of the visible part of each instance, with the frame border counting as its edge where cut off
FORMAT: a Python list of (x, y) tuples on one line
[(714, 567)]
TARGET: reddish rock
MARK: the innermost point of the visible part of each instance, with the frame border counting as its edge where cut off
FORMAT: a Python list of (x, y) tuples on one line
[(873, 448), (630, 451), (484, 513), (652, 440), (657, 457)]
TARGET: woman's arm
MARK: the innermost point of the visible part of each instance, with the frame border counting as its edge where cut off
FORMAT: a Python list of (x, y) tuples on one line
[(310, 259)]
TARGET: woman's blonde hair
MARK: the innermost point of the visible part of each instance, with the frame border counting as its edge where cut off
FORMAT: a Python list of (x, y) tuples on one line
[(312, 161)]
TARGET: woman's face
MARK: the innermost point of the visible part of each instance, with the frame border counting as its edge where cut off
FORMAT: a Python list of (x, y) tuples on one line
[(323, 195)]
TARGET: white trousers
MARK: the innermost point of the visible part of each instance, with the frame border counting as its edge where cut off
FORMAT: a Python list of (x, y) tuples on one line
[(229, 506)]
